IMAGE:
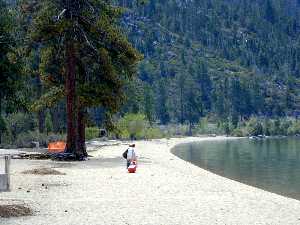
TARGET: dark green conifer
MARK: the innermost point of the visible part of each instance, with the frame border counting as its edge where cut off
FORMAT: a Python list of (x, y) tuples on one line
[(85, 57), (9, 65)]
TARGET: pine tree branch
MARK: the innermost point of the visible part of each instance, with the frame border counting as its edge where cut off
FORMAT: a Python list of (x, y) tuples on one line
[(87, 40)]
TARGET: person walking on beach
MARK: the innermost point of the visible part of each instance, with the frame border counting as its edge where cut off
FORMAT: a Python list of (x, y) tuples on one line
[(131, 154)]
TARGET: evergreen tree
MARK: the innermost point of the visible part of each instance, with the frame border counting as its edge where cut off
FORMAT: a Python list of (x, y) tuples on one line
[(162, 108), (149, 103), (92, 59), (9, 65), (205, 85), (194, 108)]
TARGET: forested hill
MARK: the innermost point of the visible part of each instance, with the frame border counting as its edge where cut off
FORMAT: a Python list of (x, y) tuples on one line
[(229, 58), (221, 61)]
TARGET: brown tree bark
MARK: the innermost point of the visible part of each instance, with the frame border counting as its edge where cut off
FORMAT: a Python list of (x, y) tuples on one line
[(55, 119), (41, 114), (1, 119), (80, 145), (71, 99)]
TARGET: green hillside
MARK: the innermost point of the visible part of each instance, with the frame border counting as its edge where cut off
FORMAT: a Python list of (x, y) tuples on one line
[(212, 65), (240, 57)]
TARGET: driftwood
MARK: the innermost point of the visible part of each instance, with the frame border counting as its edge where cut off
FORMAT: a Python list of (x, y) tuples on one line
[(44, 156), (8, 211), (37, 156)]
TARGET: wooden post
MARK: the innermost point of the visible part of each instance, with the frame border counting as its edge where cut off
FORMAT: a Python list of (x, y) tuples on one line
[(7, 172)]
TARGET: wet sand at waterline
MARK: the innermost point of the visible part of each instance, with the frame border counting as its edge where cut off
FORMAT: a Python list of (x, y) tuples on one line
[(165, 190)]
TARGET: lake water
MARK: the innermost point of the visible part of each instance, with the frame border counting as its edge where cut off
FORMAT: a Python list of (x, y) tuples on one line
[(272, 164)]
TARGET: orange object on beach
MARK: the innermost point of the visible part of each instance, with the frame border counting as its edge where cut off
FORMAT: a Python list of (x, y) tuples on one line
[(57, 147), (132, 167)]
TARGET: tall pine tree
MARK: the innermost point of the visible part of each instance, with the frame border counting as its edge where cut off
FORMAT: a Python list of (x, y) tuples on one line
[(9, 68), (85, 57)]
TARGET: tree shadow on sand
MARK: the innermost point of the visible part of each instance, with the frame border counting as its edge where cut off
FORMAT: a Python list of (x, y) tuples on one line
[(100, 162)]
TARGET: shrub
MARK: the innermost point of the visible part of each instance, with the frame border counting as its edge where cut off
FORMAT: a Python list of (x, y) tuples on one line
[(284, 126), (24, 140), (267, 127), (18, 123), (294, 128), (7, 139), (91, 133), (3, 125), (206, 127), (238, 132), (153, 133), (132, 126), (254, 127), (226, 127), (172, 130)]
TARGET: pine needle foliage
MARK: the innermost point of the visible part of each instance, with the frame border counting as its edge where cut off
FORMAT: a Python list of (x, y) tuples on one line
[(104, 57), (83, 51), (10, 80)]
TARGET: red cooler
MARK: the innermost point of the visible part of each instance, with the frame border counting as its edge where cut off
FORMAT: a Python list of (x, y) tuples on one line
[(132, 167)]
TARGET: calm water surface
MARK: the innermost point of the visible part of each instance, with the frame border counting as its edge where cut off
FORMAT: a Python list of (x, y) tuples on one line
[(270, 164)]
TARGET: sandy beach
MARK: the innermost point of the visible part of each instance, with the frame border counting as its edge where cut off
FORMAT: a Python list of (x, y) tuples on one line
[(165, 191)]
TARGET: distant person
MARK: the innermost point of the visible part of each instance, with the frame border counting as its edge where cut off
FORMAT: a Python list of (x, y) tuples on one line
[(130, 154)]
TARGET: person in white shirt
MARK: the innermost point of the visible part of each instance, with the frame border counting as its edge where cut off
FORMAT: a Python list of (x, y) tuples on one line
[(131, 154)]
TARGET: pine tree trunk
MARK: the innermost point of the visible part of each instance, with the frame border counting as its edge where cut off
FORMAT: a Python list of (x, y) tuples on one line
[(55, 119), (41, 114), (1, 119), (80, 145), (71, 99)]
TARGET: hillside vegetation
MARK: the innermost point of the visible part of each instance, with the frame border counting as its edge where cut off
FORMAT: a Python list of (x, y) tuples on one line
[(226, 58), (209, 66)]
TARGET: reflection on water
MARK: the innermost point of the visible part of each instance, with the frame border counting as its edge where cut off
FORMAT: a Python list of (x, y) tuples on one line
[(270, 164)]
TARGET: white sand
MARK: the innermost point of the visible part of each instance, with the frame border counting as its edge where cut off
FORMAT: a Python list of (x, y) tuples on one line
[(165, 190)]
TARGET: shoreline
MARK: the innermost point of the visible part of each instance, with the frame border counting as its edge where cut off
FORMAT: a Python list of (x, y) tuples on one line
[(165, 190)]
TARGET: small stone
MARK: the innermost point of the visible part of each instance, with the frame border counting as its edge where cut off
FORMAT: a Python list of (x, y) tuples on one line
[(66, 210), (28, 191), (43, 185), (19, 188)]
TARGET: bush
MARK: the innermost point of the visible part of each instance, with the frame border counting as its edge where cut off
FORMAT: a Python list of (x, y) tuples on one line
[(91, 133), (132, 126), (172, 130), (284, 126), (254, 127), (3, 125), (238, 132), (294, 128), (7, 139), (267, 128), (154, 133), (19, 123), (206, 127)]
